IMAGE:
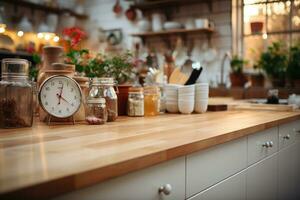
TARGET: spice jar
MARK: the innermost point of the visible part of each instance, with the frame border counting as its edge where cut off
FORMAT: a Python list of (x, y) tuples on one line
[(106, 85), (151, 100), (135, 102), (16, 103), (96, 111)]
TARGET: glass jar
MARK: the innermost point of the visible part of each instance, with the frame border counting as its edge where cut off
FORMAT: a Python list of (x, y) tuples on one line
[(16, 103), (151, 100), (96, 112), (135, 102), (104, 87)]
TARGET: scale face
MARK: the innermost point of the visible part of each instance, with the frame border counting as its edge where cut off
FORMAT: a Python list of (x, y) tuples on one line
[(60, 96)]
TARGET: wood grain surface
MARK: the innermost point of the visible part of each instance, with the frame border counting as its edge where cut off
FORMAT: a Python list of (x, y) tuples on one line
[(45, 161)]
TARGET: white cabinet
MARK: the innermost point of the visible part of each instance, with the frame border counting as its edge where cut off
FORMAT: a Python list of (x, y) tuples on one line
[(262, 145), (286, 173), (206, 168), (140, 185), (261, 179), (233, 188)]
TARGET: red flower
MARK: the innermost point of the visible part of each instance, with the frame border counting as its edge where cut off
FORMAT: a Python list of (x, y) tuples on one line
[(74, 35)]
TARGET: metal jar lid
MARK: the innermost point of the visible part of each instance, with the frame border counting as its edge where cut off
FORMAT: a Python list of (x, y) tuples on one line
[(96, 101), (103, 81), (15, 67)]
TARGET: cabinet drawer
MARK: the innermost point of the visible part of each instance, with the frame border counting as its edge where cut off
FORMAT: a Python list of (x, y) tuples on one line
[(208, 167), (262, 179), (259, 145), (287, 134), (233, 188), (140, 185)]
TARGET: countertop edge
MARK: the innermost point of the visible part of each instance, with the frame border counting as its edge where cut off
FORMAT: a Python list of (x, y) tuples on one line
[(70, 183)]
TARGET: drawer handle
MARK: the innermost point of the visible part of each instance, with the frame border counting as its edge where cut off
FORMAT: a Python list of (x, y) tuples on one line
[(287, 137), (165, 189), (268, 144)]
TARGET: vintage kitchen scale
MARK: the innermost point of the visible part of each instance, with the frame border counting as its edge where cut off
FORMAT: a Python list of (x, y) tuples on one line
[(60, 97)]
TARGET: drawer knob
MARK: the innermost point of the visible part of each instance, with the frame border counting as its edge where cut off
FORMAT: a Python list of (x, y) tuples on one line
[(268, 144), (287, 137), (271, 144), (165, 189)]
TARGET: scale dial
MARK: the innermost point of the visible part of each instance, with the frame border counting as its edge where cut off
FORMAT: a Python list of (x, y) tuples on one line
[(60, 96)]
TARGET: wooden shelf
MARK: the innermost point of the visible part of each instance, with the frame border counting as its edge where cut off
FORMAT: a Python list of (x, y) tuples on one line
[(173, 32), (41, 7), (162, 4), (272, 33)]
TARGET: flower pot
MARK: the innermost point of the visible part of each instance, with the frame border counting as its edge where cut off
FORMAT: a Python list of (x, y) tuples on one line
[(276, 82), (257, 80), (237, 79), (123, 99), (297, 83), (256, 27)]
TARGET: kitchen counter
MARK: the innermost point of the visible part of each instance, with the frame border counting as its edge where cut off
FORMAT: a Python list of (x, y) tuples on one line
[(44, 161)]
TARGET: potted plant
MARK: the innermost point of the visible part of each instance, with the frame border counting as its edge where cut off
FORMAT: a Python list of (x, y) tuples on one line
[(237, 77), (257, 78), (120, 68), (293, 70), (274, 63)]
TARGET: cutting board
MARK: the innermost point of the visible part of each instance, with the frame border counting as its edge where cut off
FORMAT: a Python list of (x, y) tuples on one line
[(177, 77)]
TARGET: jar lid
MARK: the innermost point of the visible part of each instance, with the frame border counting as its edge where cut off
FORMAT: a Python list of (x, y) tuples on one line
[(151, 89), (96, 101), (103, 81), (136, 90), (15, 67)]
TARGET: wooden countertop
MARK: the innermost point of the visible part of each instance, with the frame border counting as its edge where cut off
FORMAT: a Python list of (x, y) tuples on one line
[(45, 161)]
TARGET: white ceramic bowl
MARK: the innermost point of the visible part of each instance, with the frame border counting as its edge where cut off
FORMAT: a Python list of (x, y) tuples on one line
[(186, 107), (172, 108), (201, 106), (186, 89), (202, 95)]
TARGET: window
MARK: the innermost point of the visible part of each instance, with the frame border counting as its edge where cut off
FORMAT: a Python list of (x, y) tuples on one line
[(266, 21)]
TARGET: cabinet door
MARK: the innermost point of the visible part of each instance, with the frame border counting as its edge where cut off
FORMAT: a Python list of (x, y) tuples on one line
[(286, 173), (233, 188), (262, 179), (206, 168), (140, 185)]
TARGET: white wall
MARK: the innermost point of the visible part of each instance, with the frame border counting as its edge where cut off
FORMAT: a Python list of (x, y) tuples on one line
[(101, 12)]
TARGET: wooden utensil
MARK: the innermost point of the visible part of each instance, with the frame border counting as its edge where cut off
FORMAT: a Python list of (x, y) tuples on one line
[(177, 77)]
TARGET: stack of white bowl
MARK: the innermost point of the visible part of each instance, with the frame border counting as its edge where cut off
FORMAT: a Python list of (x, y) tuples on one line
[(171, 91), (201, 97), (186, 99)]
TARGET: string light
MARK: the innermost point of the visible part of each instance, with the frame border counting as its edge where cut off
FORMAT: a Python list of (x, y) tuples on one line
[(47, 37), (56, 39), (2, 28), (20, 33), (40, 35)]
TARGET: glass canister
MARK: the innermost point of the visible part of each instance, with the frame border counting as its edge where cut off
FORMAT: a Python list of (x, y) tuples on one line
[(135, 102), (104, 87), (96, 111), (16, 92), (151, 100)]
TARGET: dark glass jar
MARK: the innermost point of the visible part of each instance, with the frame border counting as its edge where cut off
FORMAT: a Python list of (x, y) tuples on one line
[(16, 92)]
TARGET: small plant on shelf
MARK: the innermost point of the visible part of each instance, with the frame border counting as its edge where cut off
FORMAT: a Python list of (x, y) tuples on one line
[(274, 63), (237, 77), (293, 70)]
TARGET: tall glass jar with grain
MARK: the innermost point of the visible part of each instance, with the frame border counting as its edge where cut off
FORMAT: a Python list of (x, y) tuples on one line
[(151, 100), (135, 102), (16, 102)]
